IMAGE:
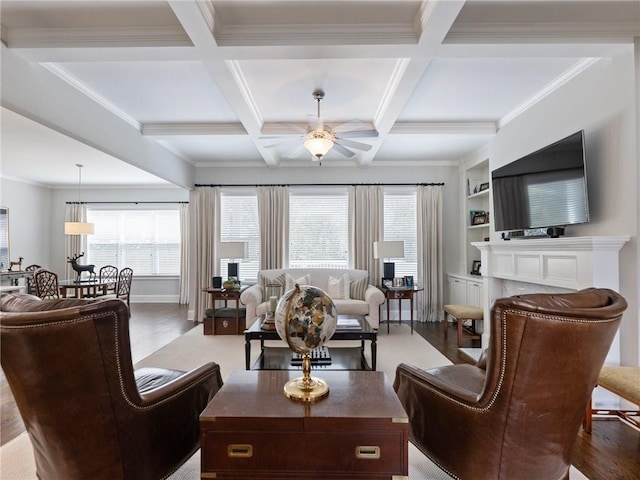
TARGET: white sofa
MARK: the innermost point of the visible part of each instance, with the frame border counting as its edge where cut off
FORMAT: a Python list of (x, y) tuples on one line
[(370, 297)]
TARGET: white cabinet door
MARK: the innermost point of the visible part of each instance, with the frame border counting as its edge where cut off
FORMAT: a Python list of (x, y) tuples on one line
[(457, 291), (475, 294)]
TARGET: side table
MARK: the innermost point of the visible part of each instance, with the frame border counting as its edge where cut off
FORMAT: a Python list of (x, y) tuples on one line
[(226, 295), (400, 293)]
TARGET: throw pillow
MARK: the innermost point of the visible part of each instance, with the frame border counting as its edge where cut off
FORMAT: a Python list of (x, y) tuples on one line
[(266, 281), (358, 287), (338, 288), (290, 282)]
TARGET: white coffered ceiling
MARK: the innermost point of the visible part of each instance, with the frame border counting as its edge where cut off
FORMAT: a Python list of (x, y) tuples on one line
[(217, 83)]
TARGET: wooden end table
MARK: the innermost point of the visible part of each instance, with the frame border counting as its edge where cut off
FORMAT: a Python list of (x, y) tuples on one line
[(400, 293), (251, 430), (226, 295)]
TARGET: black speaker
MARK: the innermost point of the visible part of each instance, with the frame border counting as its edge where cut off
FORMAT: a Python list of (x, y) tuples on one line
[(555, 232), (217, 282)]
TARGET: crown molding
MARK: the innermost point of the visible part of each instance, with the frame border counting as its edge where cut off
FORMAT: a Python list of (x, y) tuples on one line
[(350, 34), (542, 33), (440, 128), (193, 128), (72, 80), (571, 73), (96, 37)]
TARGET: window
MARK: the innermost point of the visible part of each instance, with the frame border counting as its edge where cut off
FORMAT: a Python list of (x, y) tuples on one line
[(318, 228), (239, 223), (148, 241), (400, 223)]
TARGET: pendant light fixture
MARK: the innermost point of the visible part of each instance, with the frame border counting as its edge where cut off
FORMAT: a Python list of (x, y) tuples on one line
[(78, 228)]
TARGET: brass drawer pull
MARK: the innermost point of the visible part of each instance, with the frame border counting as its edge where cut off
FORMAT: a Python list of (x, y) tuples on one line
[(367, 452), (239, 451)]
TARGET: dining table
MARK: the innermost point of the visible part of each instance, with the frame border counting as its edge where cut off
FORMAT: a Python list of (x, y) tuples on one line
[(83, 288)]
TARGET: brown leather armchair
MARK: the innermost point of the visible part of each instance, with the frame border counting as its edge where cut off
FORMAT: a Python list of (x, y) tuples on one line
[(518, 415), (88, 414)]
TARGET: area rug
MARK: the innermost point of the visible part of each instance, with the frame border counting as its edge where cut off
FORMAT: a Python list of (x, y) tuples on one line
[(193, 348)]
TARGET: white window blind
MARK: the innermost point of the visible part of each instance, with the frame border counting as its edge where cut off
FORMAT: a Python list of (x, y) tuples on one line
[(400, 223), (239, 223), (148, 241), (318, 229)]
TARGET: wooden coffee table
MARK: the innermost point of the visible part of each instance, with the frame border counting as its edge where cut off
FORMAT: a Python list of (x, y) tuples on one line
[(342, 358), (251, 430)]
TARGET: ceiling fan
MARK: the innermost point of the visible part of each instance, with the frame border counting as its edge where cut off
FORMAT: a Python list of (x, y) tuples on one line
[(320, 138)]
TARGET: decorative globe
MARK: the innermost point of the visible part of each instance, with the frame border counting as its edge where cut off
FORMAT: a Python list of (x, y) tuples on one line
[(305, 318)]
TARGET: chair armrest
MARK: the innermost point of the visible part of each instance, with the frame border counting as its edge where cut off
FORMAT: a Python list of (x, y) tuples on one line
[(252, 296), (164, 422), (207, 375), (373, 296)]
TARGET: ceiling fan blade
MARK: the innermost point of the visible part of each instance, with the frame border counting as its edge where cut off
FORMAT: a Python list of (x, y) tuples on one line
[(356, 128), (359, 133), (352, 144), (344, 151), (294, 152), (282, 144)]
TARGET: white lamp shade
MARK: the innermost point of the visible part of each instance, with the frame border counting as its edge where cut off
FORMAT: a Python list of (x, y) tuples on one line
[(233, 249), (318, 142), (78, 228), (392, 249)]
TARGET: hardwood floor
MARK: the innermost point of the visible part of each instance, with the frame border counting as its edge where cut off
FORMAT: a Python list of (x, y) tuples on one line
[(612, 451)]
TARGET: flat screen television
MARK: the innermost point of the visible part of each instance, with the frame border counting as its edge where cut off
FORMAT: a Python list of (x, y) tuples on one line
[(547, 188)]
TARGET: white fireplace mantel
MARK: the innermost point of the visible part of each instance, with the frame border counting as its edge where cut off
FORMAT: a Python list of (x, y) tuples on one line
[(567, 262), (511, 267)]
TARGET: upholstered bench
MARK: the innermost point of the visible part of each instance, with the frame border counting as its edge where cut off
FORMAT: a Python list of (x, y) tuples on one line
[(460, 314), (625, 383)]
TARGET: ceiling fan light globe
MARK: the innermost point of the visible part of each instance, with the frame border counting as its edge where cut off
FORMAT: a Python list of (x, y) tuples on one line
[(318, 143)]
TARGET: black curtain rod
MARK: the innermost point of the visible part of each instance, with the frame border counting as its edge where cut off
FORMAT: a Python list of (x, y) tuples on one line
[(322, 185), (93, 203)]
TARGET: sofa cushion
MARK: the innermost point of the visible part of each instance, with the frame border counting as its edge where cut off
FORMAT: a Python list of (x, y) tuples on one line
[(351, 307), (358, 287), (291, 282), (338, 288)]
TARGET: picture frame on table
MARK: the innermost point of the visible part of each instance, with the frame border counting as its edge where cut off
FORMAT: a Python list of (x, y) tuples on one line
[(387, 282), (398, 282), (408, 281), (475, 267)]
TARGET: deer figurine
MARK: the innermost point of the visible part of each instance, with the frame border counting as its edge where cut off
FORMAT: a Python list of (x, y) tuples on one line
[(13, 263), (81, 268)]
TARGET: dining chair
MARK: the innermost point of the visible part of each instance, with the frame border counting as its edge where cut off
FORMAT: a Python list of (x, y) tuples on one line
[(29, 280), (108, 274), (45, 283)]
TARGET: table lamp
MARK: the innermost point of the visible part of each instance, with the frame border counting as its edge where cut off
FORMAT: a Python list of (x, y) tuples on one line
[(233, 251), (387, 250)]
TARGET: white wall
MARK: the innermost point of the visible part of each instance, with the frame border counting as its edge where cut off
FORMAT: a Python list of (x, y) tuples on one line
[(29, 221), (601, 101)]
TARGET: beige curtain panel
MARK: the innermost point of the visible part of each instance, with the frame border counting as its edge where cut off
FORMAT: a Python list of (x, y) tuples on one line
[(206, 202), (273, 220), (75, 244), (366, 225), (430, 269)]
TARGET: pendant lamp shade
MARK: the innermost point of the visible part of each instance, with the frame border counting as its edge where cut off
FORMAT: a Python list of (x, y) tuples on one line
[(79, 228)]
